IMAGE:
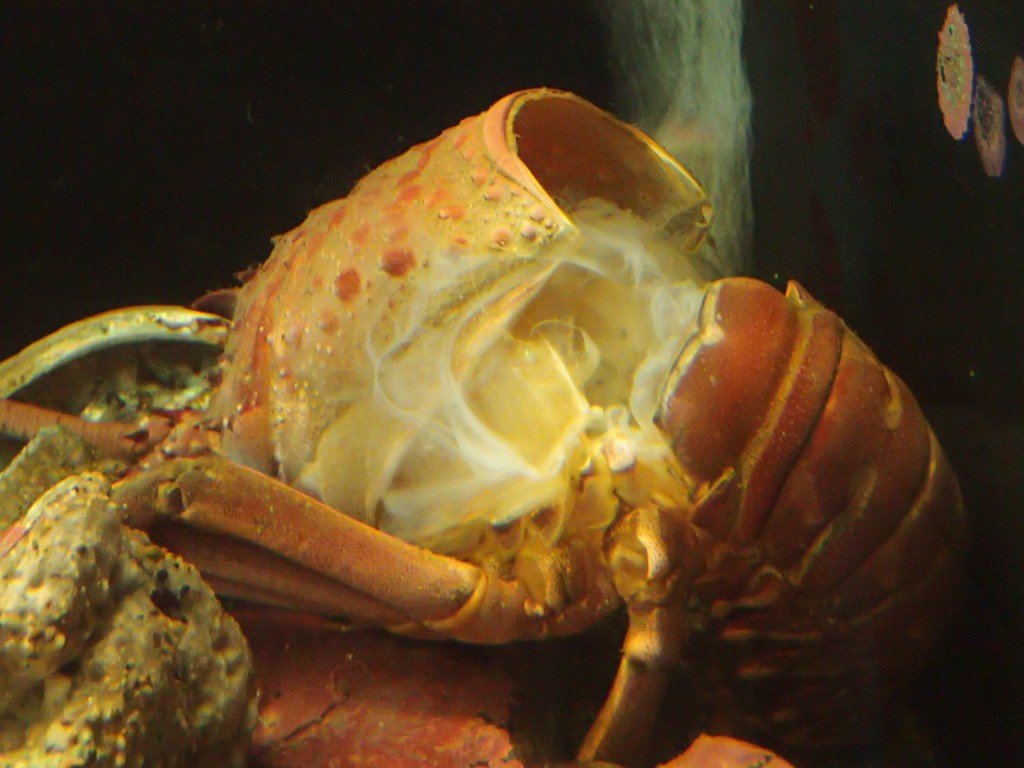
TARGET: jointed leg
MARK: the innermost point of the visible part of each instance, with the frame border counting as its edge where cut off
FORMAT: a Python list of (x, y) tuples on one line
[(280, 542), (653, 553), (125, 441), (652, 649)]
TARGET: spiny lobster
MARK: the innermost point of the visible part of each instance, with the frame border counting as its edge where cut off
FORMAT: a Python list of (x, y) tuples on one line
[(497, 392)]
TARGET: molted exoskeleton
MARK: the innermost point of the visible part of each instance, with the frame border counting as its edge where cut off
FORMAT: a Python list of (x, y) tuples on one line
[(425, 353)]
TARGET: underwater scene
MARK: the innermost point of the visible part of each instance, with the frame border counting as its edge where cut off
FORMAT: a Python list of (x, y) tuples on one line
[(531, 383)]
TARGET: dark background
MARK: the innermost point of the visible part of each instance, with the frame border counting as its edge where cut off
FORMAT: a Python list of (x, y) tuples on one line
[(148, 152)]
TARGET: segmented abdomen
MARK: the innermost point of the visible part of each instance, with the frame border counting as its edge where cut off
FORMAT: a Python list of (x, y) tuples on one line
[(833, 524)]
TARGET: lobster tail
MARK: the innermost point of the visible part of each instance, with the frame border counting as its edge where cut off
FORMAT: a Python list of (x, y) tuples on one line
[(833, 522)]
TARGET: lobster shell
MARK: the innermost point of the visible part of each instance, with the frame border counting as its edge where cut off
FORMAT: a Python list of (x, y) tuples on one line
[(832, 524), (470, 207)]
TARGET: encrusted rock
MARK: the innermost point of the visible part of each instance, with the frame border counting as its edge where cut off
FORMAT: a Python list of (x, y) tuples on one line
[(113, 652)]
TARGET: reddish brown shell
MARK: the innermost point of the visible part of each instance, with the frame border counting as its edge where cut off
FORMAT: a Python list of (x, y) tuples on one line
[(833, 524)]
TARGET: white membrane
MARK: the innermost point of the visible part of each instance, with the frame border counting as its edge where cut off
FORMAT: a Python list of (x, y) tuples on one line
[(489, 401)]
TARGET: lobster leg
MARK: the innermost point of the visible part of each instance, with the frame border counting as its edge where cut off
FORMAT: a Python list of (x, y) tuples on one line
[(257, 538), (654, 555), (123, 441), (652, 649)]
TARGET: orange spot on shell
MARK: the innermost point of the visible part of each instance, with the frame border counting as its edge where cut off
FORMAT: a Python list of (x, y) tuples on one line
[(397, 261), (328, 322), (361, 235), (501, 237), (425, 151), (466, 149), (338, 216), (407, 177), (314, 242), (347, 284), (409, 193), (437, 197), (453, 212)]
